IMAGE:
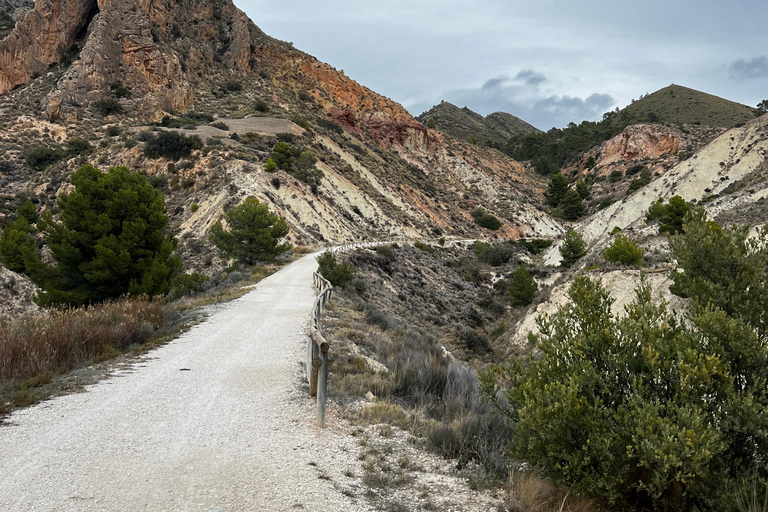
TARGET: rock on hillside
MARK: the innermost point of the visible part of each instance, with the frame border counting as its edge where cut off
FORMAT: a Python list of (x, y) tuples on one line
[(17, 294), (464, 124), (714, 177), (385, 174)]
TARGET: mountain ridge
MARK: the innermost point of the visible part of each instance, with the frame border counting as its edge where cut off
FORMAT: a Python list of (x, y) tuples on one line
[(465, 124)]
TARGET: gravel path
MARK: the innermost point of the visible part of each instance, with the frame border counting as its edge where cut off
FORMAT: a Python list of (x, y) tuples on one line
[(215, 420)]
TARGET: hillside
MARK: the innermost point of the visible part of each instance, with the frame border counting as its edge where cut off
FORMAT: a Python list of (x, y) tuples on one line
[(464, 124), (108, 73), (680, 105)]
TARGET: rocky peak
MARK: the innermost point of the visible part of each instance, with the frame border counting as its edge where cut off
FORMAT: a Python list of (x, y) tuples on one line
[(464, 124)]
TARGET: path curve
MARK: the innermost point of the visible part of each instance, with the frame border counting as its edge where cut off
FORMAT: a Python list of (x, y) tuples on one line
[(214, 420)]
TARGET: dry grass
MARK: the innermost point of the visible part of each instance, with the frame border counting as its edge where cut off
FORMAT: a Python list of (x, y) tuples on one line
[(527, 492), (64, 340)]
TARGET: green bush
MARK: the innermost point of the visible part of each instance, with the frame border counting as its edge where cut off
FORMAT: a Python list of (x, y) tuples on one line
[(282, 155), (485, 220), (422, 246), (670, 215), (253, 233), (638, 183), (261, 106), (522, 288), (171, 145), (625, 251), (78, 146), (572, 249), (605, 202), (110, 240), (723, 267), (186, 284), (108, 106), (41, 157), (639, 411), (338, 274), (330, 125), (536, 245)]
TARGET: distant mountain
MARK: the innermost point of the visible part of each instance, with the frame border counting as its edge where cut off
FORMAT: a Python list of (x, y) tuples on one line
[(464, 124), (676, 104)]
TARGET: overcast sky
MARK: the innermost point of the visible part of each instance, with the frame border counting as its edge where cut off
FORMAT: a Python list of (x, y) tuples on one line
[(548, 62)]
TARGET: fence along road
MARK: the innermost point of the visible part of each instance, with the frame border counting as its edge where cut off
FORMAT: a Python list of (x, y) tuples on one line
[(214, 420)]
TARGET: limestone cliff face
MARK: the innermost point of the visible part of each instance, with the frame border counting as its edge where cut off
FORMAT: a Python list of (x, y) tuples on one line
[(41, 39), (640, 141)]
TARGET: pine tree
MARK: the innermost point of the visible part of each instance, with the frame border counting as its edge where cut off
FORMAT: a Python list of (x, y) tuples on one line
[(522, 288), (558, 187), (571, 207), (252, 234), (572, 249), (110, 240)]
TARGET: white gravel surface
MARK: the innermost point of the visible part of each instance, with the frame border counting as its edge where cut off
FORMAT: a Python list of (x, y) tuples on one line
[(214, 420)]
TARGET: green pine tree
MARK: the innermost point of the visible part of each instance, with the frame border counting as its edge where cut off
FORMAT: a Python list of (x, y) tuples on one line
[(252, 234), (522, 288), (110, 240), (558, 187), (572, 249), (571, 207)]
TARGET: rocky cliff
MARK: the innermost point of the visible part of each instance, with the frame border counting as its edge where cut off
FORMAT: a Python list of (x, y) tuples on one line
[(466, 125)]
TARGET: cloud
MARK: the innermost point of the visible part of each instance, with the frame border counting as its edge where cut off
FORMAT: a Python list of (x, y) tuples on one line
[(751, 69), (530, 77), (521, 96)]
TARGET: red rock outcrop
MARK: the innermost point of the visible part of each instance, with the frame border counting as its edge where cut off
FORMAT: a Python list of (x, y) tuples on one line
[(640, 141), (41, 39)]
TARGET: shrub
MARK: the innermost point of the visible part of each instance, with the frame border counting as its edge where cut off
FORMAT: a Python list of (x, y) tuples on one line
[(282, 155), (572, 249), (475, 342), (194, 207), (253, 233), (231, 86), (422, 246), (723, 267), (108, 106), (261, 106), (645, 178), (18, 250), (338, 274), (63, 340), (186, 284), (536, 245), (220, 125), (485, 220), (639, 411), (41, 157), (522, 288), (605, 202), (78, 146), (330, 125), (497, 255), (670, 216), (615, 176), (623, 250), (171, 145), (113, 131)]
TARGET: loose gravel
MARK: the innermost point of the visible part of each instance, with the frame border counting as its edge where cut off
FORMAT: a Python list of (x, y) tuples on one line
[(214, 420)]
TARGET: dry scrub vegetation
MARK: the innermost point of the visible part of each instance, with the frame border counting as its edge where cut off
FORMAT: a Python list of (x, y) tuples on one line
[(425, 379), (34, 350)]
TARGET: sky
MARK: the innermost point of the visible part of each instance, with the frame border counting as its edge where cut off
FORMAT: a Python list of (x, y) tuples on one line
[(549, 62)]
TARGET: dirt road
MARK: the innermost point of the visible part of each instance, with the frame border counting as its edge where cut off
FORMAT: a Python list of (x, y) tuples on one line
[(213, 421)]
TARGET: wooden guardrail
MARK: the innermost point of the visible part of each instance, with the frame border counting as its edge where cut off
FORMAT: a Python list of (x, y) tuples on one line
[(318, 346), (317, 349)]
